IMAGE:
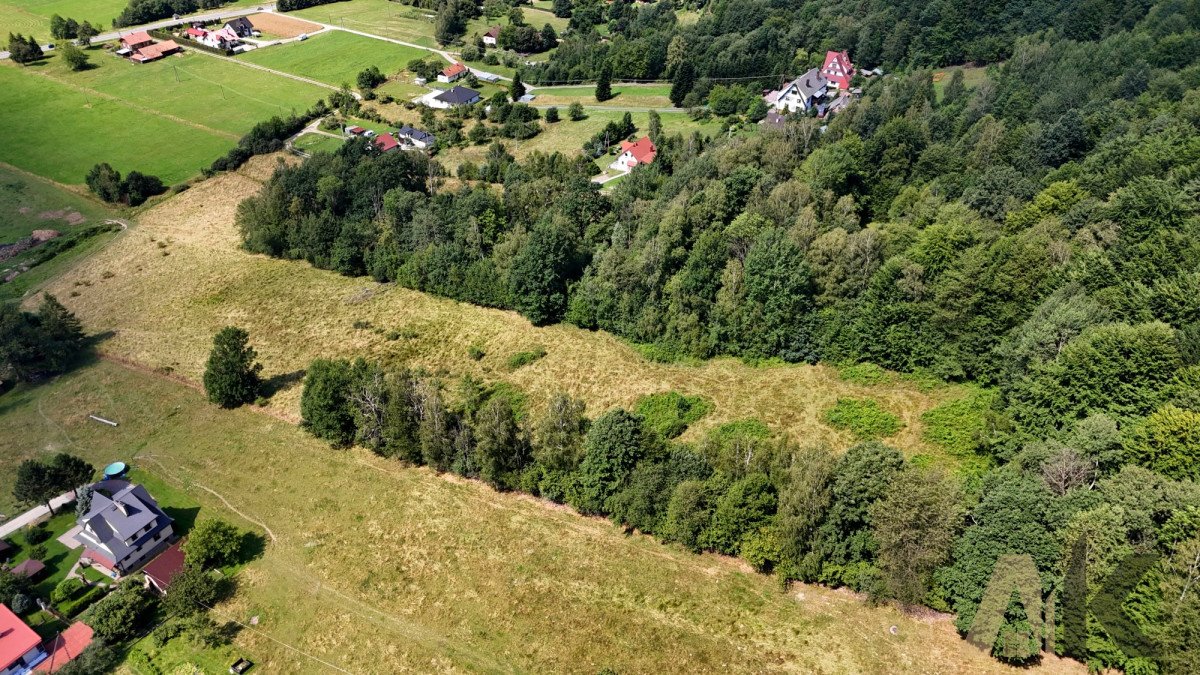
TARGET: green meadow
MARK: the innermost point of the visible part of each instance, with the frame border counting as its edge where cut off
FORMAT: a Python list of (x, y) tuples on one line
[(335, 57)]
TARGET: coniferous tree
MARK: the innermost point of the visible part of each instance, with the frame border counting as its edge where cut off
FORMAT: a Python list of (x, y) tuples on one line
[(231, 376), (682, 83), (604, 84)]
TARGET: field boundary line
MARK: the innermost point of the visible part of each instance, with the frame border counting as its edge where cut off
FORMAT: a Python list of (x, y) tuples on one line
[(152, 111)]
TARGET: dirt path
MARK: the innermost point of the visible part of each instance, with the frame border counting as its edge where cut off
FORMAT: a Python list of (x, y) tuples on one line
[(154, 460)]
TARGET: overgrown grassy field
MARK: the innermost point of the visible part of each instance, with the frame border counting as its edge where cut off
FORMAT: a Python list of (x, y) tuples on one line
[(533, 17), (296, 313), (377, 568), (378, 17), (626, 95), (334, 57), (972, 77), (29, 203)]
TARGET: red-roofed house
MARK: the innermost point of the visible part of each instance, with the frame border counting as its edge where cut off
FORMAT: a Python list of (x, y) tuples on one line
[(161, 571), (452, 72), (632, 154), (386, 143), (20, 647), (838, 69), (155, 51), (65, 647), (196, 33), (489, 38), (136, 40)]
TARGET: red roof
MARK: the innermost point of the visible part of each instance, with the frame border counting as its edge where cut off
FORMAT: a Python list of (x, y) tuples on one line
[(838, 68), (66, 646), (385, 142), (454, 70), (15, 637), (492, 32), (137, 38), (166, 566), (356, 130), (155, 51), (643, 150), (197, 32), (29, 568)]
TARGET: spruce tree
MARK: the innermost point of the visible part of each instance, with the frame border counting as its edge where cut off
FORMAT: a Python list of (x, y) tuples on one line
[(517, 89), (604, 84), (682, 83), (231, 375)]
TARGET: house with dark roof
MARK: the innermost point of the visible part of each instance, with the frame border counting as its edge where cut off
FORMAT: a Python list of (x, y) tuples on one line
[(419, 138), (457, 96), (123, 527), (161, 571), (838, 69), (240, 26), (30, 569), (20, 647), (801, 94), (451, 73), (489, 38)]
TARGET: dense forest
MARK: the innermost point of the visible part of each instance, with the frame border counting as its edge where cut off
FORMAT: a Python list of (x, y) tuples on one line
[(1035, 234)]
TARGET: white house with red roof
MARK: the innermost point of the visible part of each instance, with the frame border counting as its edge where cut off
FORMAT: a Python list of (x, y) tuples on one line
[(20, 647), (136, 40), (838, 69), (641, 151), (451, 73)]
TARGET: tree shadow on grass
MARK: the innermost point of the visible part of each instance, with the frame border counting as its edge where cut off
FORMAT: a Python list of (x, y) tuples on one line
[(277, 383), (184, 518), (254, 545)]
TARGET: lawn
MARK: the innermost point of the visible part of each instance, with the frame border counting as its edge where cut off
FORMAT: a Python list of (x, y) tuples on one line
[(378, 17), (972, 77), (375, 567), (33, 16), (58, 558), (335, 57), (318, 143), (90, 128), (625, 95)]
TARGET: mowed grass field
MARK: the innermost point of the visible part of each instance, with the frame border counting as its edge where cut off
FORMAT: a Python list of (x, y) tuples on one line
[(376, 568), (33, 16), (58, 124), (626, 95), (378, 17), (296, 313), (335, 57)]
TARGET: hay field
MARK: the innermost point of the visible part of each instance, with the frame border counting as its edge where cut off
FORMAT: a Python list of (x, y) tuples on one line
[(376, 568), (179, 276), (334, 57)]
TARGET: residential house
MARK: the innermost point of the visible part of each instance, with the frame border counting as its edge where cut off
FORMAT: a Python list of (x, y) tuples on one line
[(123, 527), (241, 27), (489, 38), (419, 138), (136, 40), (451, 73), (20, 647), (161, 571), (801, 94), (386, 143), (222, 38), (641, 151), (68, 645), (155, 51), (838, 69), (456, 96)]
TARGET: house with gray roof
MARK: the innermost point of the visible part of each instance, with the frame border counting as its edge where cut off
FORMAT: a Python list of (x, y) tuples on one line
[(418, 137), (801, 94), (123, 528)]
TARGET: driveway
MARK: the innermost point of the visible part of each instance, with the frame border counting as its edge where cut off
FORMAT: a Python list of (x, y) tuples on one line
[(35, 514)]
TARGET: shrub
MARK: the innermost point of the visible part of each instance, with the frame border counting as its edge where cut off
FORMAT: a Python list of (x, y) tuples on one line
[(959, 426), (476, 352), (522, 359), (670, 413), (74, 606), (862, 417), (36, 534), (864, 373), (66, 590), (551, 115)]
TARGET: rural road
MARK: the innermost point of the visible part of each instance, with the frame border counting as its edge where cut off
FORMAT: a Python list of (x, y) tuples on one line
[(32, 515)]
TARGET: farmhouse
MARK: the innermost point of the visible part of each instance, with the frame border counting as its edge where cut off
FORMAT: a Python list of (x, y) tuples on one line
[(455, 97), (489, 38), (161, 571), (20, 647), (136, 40), (801, 94), (241, 27), (155, 51), (632, 154), (123, 527), (838, 69), (417, 137), (386, 143), (451, 73)]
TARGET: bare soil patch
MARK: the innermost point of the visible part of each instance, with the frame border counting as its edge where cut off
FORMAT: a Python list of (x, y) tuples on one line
[(283, 26)]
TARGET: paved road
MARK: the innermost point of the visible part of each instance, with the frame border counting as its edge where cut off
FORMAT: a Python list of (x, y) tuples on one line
[(35, 514)]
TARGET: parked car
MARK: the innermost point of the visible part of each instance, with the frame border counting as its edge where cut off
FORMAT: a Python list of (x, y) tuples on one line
[(302, 37)]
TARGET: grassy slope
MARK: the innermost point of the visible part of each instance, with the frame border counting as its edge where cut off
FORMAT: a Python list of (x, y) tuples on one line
[(380, 568), (378, 17), (295, 313), (626, 95), (335, 57)]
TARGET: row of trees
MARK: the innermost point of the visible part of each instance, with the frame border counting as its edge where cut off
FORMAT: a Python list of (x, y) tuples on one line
[(139, 12), (24, 50)]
